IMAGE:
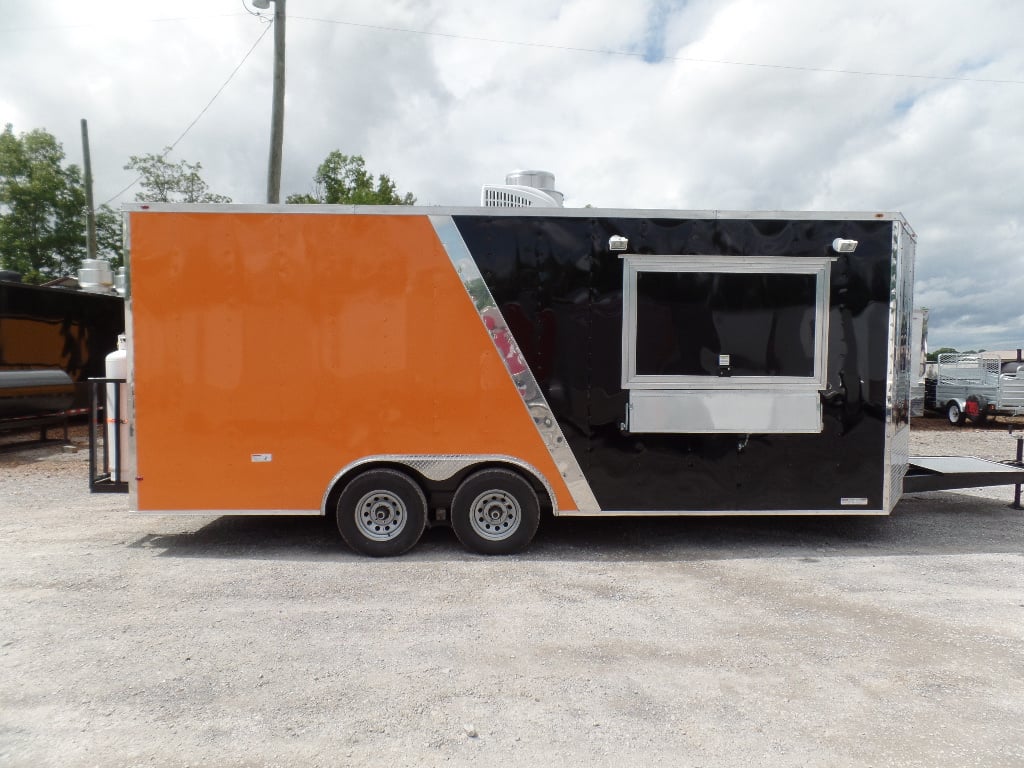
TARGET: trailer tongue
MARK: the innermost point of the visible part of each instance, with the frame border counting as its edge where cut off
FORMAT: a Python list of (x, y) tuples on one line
[(947, 473)]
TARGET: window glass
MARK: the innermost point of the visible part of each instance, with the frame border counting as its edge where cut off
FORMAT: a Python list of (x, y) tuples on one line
[(764, 322)]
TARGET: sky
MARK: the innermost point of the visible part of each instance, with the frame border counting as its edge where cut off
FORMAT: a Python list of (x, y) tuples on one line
[(914, 106)]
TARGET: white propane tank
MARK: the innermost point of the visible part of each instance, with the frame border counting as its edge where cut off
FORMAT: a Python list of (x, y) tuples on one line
[(117, 420)]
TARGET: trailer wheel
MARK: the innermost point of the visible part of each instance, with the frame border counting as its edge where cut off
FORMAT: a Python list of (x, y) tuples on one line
[(954, 413), (382, 513), (495, 512)]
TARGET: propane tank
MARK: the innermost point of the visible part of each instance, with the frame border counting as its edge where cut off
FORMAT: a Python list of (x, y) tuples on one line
[(117, 411)]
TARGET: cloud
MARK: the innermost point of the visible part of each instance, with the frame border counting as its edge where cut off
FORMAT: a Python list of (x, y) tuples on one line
[(707, 104)]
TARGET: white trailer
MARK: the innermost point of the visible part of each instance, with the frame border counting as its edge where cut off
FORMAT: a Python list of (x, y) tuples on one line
[(971, 386), (918, 362)]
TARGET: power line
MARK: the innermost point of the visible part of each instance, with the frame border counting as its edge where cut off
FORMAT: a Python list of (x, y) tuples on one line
[(641, 55), (219, 90), (202, 112)]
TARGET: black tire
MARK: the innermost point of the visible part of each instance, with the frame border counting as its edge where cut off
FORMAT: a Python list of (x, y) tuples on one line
[(382, 513), (955, 413), (495, 512)]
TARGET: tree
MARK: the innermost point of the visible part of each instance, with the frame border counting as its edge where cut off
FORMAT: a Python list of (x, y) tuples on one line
[(343, 179), (166, 182), (42, 202), (109, 240), (933, 357)]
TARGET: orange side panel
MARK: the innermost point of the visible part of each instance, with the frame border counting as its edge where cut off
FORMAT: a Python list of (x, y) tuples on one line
[(318, 339)]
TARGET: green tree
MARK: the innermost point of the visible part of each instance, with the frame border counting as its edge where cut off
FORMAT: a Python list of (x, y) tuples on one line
[(166, 182), (42, 203), (109, 240), (343, 179), (933, 357)]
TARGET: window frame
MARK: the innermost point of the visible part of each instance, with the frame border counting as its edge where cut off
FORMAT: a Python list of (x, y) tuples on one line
[(753, 265)]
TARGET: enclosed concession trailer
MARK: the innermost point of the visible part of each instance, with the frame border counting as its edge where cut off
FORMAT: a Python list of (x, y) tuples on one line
[(400, 367)]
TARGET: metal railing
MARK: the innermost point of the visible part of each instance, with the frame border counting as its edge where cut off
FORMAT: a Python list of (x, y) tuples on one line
[(44, 422), (106, 475), (1019, 437), (956, 368)]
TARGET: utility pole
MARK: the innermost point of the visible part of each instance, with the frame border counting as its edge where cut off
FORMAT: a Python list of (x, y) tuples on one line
[(277, 112), (90, 211)]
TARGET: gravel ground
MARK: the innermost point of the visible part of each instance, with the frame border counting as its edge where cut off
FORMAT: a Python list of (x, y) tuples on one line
[(134, 640)]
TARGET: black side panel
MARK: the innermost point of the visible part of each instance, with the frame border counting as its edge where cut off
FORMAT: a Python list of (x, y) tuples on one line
[(58, 328), (560, 289)]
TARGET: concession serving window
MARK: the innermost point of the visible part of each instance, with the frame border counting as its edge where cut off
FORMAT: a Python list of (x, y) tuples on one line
[(720, 344)]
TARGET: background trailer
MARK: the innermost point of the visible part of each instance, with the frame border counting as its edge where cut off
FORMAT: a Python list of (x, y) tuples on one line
[(403, 366), (52, 340), (58, 328)]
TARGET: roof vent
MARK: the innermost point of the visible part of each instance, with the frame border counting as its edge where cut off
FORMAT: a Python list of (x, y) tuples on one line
[(523, 189), (96, 276)]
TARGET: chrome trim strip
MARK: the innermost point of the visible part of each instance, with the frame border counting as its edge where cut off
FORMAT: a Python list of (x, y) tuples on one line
[(227, 512), (573, 513), (583, 213), (131, 449), (890, 385), (897, 389), (440, 467), (526, 383), (843, 511)]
